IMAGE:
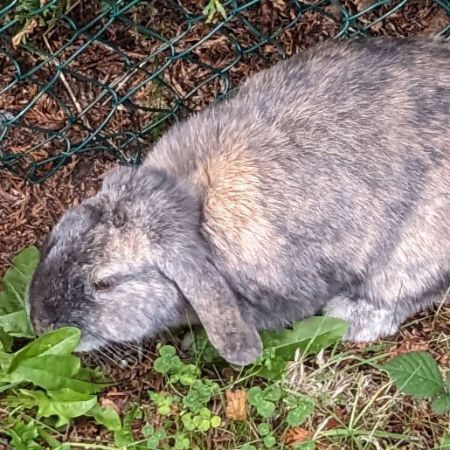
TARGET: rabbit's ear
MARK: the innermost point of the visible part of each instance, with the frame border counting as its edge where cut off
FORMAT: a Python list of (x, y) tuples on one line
[(234, 337)]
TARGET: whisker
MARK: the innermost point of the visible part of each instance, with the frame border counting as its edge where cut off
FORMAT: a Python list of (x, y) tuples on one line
[(103, 350), (137, 348), (126, 359), (111, 358), (140, 349), (98, 362), (121, 355)]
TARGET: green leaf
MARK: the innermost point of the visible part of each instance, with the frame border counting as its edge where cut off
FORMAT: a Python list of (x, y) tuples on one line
[(269, 441), (312, 334), (186, 375), (93, 376), (5, 361), (263, 429), (292, 400), (124, 436), (16, 324), (153, 442), (271, 368), (211, 8), (181, 442), (205, 412), (46, 371), (441, 403), (216, 421), (273, 392), (13, 316), (167, 350), (59, 342), (148, 430), (200, 393), (202, 424), (445, 443), (416, 374), (6, 341), (266, 409), (106, 417), (188, 422), (23, 435), (51, 441), (16, 280), (255, 395), (258, 398), (65, 404), (164, 410), (298, 415), (202, 421), (186, 379), (163, 402), (167, 364), (53, 372), (168, 361), (448, 381)]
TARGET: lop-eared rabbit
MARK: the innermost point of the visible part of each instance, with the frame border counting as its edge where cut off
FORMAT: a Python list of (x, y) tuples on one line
[(321, 185)]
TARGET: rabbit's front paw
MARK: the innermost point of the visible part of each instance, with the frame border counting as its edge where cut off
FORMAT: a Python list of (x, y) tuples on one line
[(366, 322)]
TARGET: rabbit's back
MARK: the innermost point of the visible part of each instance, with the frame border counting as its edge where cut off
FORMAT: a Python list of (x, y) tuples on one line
[(321, 169)]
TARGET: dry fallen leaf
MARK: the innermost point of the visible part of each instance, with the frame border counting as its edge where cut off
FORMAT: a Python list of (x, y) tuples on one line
[(107, 403), (29, 28), (331, 424), (236, 405), (297, 435)]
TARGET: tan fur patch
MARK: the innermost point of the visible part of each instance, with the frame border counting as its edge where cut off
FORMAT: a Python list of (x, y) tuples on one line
[(235, 210), (123, 248)]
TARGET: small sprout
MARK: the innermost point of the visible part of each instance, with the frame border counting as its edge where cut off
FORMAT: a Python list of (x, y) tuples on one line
[(213, 7), (302, 408), (153, 437), (163, 402), (203, 421), (264, 408), (182, 442), (200, 393), (168, 362), (273, 392), (269, 441), (263, 429)]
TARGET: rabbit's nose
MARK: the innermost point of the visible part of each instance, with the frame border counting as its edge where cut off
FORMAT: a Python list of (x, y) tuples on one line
[(43, 318)]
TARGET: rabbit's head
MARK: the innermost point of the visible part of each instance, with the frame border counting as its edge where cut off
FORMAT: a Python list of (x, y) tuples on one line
[(130, 262)]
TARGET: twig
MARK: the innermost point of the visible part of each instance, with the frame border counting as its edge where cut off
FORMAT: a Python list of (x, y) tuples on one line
[(69, 89)]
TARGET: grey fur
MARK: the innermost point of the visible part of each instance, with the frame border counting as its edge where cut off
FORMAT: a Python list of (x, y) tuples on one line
[(322, 184)]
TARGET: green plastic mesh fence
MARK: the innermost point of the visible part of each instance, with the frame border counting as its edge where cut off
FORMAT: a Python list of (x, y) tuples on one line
[(79, 77)]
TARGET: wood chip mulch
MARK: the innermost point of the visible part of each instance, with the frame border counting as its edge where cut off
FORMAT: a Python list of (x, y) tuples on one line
[(28, 212)]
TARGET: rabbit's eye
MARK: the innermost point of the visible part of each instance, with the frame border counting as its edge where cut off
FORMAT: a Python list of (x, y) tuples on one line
[(104, 284)]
